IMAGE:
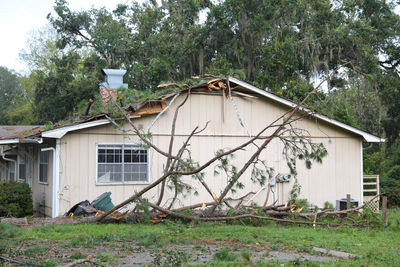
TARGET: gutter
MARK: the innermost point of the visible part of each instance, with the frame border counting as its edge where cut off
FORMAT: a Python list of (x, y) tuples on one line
[(3, 155), (56, 178)]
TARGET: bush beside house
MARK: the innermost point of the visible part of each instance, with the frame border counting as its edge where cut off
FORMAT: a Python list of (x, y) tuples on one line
[(15, 199)]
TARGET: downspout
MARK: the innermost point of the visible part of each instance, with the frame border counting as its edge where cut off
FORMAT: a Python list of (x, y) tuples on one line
[(56, 178), (362, 176), (12, 160)]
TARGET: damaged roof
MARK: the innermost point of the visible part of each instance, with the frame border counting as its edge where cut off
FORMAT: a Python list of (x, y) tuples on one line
[(18, 133), (216, 85)]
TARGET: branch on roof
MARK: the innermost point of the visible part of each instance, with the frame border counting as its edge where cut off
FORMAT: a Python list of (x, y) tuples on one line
[(176, 167)]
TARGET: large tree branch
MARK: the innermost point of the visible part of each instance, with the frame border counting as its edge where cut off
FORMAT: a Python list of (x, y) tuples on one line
[(266, 142), (171, 144)]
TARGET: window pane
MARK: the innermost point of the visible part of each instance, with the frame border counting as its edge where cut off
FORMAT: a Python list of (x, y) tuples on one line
[(143, 168), (143, 157), (104, 177), (44, 156), (128, 177), (101, 158), (110, 158), (127, 156), (101, 168), (127, 168), (43, 169), (143, 177), (22, 171), (118, 158), (135, 156), (117, 173)]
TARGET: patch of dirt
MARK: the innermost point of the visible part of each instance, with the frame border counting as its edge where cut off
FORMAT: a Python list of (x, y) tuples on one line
[(131, 254)]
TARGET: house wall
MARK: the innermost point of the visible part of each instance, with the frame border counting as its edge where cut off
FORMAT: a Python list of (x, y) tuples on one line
[(338, 175), (42, 192)]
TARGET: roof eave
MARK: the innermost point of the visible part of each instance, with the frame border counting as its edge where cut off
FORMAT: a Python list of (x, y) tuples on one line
[(9, 141), (60, 132), (367, 137)]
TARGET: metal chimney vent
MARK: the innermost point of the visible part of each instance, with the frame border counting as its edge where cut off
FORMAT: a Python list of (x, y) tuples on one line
[(113, 79)]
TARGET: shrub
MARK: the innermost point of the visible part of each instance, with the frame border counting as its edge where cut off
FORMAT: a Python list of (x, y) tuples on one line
[(391, 185), (15, 199)]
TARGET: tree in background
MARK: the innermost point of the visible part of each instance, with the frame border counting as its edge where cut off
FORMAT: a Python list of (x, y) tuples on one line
[(284, 46), (59, 79), (10, 89)]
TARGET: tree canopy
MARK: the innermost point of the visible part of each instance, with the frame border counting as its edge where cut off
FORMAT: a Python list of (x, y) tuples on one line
[(285, 46)]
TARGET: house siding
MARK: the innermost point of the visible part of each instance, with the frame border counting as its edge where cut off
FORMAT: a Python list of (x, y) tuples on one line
[(42, 195), (338, 175)]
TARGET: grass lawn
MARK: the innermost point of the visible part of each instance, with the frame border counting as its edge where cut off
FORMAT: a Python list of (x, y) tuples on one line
[(116, 244)]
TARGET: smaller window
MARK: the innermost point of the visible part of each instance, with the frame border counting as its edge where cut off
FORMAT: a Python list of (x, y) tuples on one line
[(21, 168), (43, 166), (12, 170)]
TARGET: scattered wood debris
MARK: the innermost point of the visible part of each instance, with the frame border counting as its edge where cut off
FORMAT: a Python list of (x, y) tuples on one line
[(335, 253)]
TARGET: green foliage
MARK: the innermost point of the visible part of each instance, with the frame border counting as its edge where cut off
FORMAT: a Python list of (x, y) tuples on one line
[(58, 93), (8, 231), (15, 199), (376, 246), (299, 146), (148, 240), (272, 44), (328, 205), (49, 263), (107, 257), (10, 88), (295, 191), (281, 45), (225, 254), (367, 215), (39, 250), (143, 208), (393, 220), (246, 254), (385, 160), (390, 185), (224, 164)]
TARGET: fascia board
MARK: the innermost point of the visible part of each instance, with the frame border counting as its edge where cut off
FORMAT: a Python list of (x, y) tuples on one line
[(60, 132), (9, 141)]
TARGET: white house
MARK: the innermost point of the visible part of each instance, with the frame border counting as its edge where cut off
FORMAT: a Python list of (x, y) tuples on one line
[(80, 161)]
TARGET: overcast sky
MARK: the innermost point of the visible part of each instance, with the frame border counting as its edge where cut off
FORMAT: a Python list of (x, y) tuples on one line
[(19, 17)]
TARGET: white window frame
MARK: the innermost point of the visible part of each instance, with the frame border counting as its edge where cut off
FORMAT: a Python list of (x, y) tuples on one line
[(48, 163), (21, 158), (123, 182)]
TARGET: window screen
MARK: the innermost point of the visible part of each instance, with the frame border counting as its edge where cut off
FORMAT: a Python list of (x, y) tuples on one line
[(121, 163)]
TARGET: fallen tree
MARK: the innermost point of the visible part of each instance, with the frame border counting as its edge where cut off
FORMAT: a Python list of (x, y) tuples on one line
[(297, 145)]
